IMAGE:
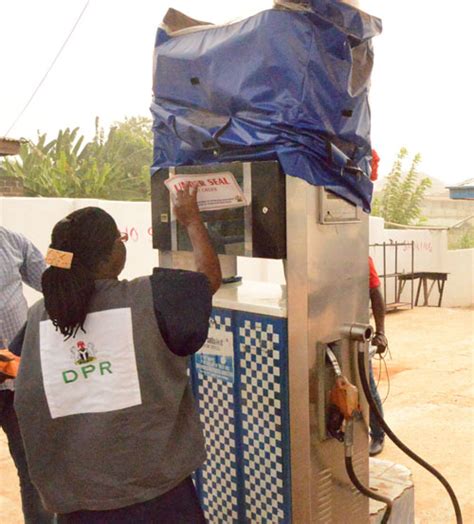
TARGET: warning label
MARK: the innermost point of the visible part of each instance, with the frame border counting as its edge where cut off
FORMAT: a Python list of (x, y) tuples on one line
[(216, 357)]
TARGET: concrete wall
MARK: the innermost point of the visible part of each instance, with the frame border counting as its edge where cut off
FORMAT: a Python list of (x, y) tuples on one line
[(430, 254), (445, 207), (460, 285), (35, 218), (11, 186)]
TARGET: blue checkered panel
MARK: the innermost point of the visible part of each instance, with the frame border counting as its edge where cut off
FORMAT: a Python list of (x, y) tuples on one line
[(217, 411), (263, 373), (246, 477)]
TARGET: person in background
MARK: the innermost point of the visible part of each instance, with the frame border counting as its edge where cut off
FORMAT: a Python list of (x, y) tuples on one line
[(374, 174), (20, 261), (104, 400), (377, 434)]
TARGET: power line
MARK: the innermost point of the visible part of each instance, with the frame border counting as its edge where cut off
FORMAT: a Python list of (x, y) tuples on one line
[(58, 54)]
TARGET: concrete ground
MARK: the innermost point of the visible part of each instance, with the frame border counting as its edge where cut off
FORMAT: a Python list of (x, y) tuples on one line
[(430, 404), (429, 407)]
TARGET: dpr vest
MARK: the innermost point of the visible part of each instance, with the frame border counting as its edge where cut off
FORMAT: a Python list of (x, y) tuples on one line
[(108, 417)]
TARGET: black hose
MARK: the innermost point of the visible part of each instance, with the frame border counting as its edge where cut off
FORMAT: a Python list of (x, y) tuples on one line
[(399, 443), (367, 492)]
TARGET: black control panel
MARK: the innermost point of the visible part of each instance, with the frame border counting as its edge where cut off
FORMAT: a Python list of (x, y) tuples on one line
[(256, 230)]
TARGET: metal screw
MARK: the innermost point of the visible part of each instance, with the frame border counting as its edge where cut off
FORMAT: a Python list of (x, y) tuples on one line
[(265, 210)]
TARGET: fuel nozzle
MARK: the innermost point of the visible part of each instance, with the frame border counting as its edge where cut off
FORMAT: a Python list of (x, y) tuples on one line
[(343, 400), (345, 396)]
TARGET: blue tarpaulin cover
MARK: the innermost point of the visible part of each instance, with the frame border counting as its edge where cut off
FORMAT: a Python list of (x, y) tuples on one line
[(287, 83)]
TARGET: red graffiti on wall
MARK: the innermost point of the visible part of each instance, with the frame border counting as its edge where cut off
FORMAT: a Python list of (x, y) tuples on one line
[(135, 234), (424, 246)]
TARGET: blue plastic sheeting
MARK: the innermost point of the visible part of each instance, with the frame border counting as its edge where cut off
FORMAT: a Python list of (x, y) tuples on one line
[(284, 84)]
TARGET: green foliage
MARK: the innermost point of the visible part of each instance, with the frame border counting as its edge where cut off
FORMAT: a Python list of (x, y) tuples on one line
[(115, 168), (463, 240), (467, 240), (401, 197)]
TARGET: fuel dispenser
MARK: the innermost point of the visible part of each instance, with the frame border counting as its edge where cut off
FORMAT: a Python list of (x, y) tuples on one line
[(280, 101), (262, 380)]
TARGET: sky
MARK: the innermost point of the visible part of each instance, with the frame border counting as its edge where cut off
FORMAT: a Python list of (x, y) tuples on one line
[(421, 87)]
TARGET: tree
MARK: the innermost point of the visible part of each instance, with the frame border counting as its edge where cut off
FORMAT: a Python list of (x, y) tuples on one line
[(115, 168), (402, 195)]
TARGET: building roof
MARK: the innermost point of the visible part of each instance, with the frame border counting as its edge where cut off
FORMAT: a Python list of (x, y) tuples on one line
[(463, 185), (9, 146)]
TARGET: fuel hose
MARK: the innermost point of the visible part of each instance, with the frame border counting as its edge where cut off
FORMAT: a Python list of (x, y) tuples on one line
[(367, 492), (348, 444), (399, 443)]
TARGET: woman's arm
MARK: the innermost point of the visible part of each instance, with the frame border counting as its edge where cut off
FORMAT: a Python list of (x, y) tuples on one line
[(205, 257)]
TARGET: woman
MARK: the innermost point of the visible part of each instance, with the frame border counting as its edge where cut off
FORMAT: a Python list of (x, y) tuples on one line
[(103, 397)]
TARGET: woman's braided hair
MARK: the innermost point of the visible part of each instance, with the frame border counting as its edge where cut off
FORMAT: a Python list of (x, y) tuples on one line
[(89, 234)]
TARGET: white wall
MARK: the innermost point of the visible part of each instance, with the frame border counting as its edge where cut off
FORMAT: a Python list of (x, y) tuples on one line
[(35, 218), (459, 289), (376, 230), (430, 254)]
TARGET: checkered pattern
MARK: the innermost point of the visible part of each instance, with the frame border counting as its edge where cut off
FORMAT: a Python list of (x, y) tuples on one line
[(246, 477), (221, 322), (219, 473), (260, 368)]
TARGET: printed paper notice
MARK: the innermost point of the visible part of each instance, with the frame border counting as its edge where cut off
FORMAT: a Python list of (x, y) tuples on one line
[(216, 357), (215, 190)]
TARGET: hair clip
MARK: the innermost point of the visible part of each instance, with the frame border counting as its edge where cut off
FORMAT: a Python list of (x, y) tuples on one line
[(56, 258)]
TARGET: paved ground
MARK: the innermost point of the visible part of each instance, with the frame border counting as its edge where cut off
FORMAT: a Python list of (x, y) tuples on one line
[(430, 407), (430, 404)]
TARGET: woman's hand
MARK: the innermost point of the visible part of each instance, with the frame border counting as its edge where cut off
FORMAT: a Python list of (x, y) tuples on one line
[(187, 213), (185, 205)]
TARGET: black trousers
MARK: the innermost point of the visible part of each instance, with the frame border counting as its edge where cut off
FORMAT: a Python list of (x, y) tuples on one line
[(178, 506), (33, 510)]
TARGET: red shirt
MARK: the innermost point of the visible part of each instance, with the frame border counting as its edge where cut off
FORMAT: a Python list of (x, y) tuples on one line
[(375, 166), (374, 280)]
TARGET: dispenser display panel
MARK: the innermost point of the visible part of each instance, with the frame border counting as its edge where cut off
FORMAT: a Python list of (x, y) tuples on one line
[(256, 229)]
